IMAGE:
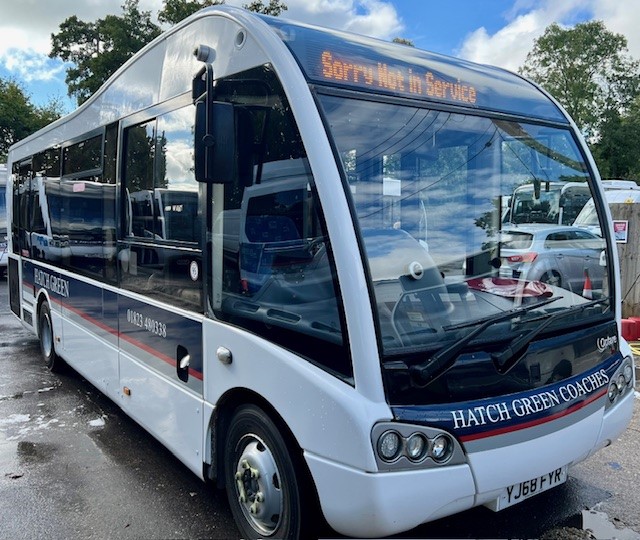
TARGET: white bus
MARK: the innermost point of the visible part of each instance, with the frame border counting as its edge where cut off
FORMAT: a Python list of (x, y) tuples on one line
[(334, 342), (548, 202)]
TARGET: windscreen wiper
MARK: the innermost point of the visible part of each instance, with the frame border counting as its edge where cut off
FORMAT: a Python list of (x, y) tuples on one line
[(506, 359), (443, 360)]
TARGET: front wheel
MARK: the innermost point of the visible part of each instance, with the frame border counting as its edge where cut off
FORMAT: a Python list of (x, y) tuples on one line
[(264, 478), (45, 333)]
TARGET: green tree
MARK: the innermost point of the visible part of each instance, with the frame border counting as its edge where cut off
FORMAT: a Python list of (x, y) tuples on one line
[(274, 7), (97, 49), (19, 118), (173, 11), (587, 69), (616, 151)]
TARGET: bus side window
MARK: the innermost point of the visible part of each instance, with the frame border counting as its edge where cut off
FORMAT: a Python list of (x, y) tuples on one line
[(160, 255)]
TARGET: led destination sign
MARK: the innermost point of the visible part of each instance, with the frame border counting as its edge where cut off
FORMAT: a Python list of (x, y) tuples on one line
[(332, 57), (409, 81)]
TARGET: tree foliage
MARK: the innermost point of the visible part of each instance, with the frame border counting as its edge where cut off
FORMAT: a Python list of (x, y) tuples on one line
[(616, 151), (19, 118), (174, 11), (273, 8), (97, 49), (587, 69)]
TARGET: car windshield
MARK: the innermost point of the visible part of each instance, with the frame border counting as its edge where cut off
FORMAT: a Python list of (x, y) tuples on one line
[(431, 190)]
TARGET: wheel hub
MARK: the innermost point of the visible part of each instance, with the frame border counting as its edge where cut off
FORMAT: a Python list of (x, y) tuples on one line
[(258, 486)]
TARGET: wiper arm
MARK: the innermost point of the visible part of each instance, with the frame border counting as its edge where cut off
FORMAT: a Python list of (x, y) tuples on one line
[(506, 359), (443, 360)]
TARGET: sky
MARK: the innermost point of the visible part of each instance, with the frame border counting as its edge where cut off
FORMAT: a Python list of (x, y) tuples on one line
[(498, 32)]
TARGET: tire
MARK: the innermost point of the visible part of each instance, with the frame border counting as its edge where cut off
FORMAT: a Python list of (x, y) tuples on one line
[(265, 480), (552, 278), (45, 333)]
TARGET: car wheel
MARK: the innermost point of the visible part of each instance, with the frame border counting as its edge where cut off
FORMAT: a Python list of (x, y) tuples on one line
[(552, 278), (263, 478)]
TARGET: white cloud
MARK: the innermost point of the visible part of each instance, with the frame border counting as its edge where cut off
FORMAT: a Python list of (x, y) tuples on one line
[(509, 46), (31, 66), (25, 35), (623, 18), (528, 19), (27, 25), (377, 18)]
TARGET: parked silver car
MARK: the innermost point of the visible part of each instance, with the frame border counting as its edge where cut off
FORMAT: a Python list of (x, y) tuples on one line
[(557, 255)]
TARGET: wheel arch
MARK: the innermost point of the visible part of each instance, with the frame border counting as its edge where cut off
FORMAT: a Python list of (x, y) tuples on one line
[(219, 423), (42, 298)]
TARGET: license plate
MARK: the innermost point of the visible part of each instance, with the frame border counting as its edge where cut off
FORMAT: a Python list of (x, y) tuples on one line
[(524, 490)]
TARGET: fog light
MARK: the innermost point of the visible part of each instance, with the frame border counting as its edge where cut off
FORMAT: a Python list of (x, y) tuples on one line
[(416, 447), (440, 448), (389, 445), (613, 392)]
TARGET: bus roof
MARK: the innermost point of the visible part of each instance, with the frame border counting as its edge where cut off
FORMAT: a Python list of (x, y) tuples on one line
[(362, 63), (164, 68)]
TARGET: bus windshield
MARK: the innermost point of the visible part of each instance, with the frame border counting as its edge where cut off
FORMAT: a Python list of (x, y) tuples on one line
[(429, 189)]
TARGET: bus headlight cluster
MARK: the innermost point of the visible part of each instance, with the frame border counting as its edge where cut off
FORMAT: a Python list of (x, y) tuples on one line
[(416, 447), (622, 381)]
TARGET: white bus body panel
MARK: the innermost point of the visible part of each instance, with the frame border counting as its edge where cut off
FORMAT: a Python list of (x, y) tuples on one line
[(398, 501), (388, 503), (170, 413), (322, 412), (93, 357), (90, 348), (503, 466)]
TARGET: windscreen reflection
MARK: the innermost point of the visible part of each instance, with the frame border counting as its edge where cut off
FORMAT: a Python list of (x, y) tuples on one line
[(433, 193)]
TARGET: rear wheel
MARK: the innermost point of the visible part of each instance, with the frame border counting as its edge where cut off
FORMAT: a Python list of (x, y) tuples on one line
[(45, 333), (552, 278), (264, 477)]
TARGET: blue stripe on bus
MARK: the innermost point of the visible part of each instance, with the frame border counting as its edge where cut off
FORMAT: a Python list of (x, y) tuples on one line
[(155, 330), (479, 419)]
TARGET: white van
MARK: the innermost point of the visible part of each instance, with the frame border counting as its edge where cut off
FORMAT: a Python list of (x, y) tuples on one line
[(588, 217)]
